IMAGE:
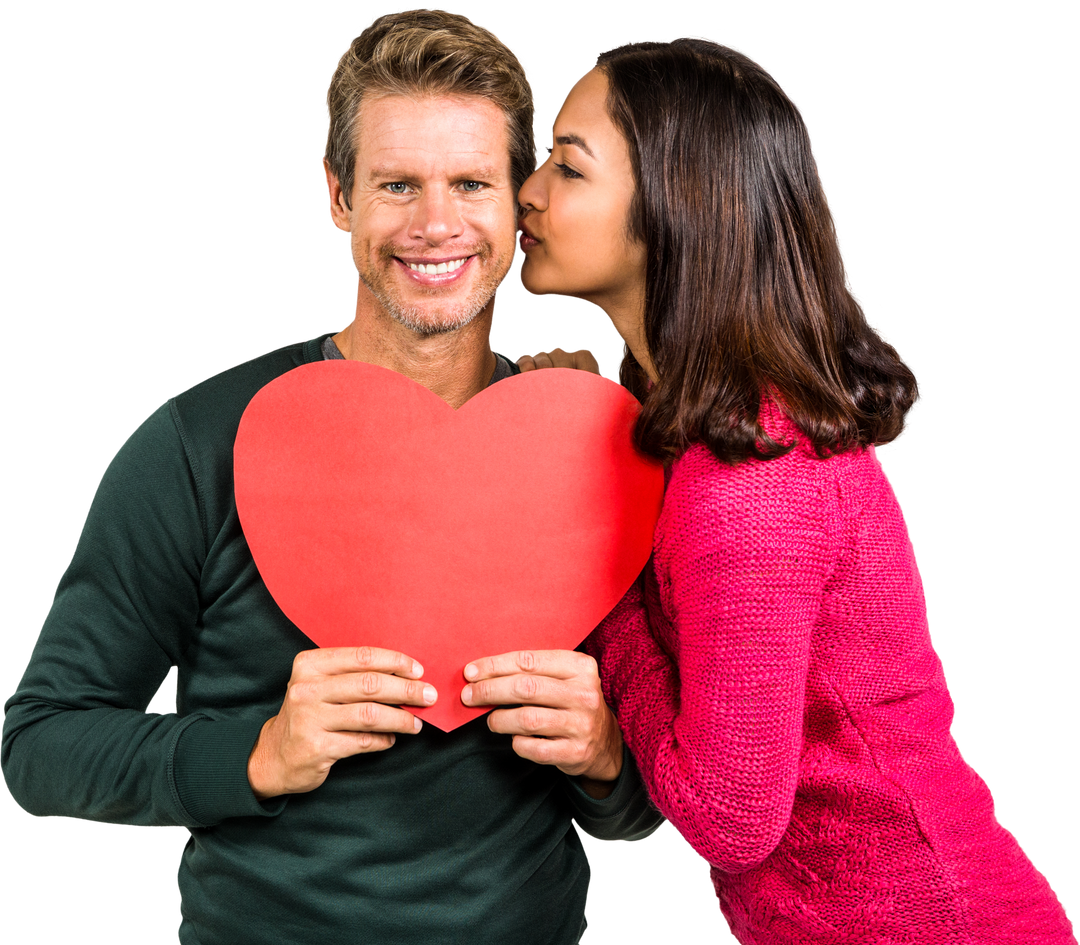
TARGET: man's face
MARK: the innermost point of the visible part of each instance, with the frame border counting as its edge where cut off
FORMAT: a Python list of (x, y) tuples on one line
[(434, 213)]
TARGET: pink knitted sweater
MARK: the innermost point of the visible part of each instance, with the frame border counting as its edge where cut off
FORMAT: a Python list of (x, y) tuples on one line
[(776, 684)]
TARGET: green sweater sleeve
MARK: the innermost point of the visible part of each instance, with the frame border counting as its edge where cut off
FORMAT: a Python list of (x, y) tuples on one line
[(625, 814), (77, 740)]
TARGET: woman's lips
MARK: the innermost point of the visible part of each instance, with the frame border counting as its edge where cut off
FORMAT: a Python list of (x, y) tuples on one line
[(526, 240)]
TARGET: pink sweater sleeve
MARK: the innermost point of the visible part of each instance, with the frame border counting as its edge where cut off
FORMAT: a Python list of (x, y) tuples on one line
[(713, 714)]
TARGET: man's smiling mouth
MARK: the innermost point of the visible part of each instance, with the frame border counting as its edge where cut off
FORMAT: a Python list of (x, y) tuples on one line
[(433, 269)]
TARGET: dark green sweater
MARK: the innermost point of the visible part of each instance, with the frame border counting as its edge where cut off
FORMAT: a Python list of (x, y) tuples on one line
[(444, 838)]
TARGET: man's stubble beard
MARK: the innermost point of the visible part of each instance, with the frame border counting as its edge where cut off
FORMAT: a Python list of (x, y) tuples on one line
[(427, 322)]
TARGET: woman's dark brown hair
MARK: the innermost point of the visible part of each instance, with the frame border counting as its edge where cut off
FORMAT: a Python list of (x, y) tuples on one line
[(745, 291)]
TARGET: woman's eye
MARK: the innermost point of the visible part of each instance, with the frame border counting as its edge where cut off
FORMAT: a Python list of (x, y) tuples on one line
[(398, 187), (567, 172), (471, 186)]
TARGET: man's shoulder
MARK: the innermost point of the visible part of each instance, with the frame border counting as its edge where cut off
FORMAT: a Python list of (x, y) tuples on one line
[(242, 382), (202, 419), (213, 408)]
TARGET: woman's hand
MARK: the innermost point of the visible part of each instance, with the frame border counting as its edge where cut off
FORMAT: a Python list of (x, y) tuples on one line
[(576, 360)]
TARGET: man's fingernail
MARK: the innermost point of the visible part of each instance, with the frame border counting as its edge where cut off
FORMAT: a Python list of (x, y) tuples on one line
[(471, 671), (417, 669), (417, 724), (430, 695), (466, 694)]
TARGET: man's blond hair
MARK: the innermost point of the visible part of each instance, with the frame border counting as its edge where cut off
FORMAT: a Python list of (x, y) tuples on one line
[(428, 51)]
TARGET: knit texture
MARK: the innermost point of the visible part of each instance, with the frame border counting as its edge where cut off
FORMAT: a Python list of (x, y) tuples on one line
[(775, 679)]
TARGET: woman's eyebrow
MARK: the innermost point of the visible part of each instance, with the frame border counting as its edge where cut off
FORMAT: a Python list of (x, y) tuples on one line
[(575, 140)]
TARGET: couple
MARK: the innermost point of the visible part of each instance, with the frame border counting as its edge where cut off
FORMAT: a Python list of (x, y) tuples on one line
[(771, 672)]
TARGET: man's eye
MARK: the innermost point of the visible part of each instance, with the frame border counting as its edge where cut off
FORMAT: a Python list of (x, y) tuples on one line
[(471, 186), (398, 187)]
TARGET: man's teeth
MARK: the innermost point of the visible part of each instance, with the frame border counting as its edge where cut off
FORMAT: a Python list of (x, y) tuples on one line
[(432, 269)]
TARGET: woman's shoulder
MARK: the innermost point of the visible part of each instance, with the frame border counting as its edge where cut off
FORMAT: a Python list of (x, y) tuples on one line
[(701, 487), (754, 511), (798, 485)]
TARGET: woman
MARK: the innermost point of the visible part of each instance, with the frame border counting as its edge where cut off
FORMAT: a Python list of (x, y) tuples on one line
[(773, 673)]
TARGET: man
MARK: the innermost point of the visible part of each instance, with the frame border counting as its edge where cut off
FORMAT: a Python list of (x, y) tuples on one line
[(320, 809)]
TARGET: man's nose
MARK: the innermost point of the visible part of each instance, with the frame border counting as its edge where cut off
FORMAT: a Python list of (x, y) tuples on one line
[(436, 217)]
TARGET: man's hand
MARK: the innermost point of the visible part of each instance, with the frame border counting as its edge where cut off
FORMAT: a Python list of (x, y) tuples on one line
[(558, 715), (340, 701), (578, 360)]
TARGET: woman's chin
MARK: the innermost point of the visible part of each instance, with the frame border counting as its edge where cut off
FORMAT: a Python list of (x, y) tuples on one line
[(543, 278), (537, 282)]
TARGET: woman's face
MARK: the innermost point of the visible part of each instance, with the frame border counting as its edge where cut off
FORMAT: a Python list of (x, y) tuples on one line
[(573, 224)]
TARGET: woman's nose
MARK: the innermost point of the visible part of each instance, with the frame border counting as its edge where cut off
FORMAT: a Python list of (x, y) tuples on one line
[(533, 195)]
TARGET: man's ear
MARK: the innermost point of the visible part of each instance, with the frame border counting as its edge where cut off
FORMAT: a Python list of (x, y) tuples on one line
[(338, 208)]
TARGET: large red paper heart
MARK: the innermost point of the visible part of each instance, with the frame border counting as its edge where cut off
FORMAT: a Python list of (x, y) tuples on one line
[(377, 514)]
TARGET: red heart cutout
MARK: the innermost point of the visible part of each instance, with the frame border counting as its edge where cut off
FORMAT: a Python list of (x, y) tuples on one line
[(377, 514)]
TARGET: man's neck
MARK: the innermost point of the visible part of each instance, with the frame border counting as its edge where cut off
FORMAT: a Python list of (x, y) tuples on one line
[(454, 365)]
